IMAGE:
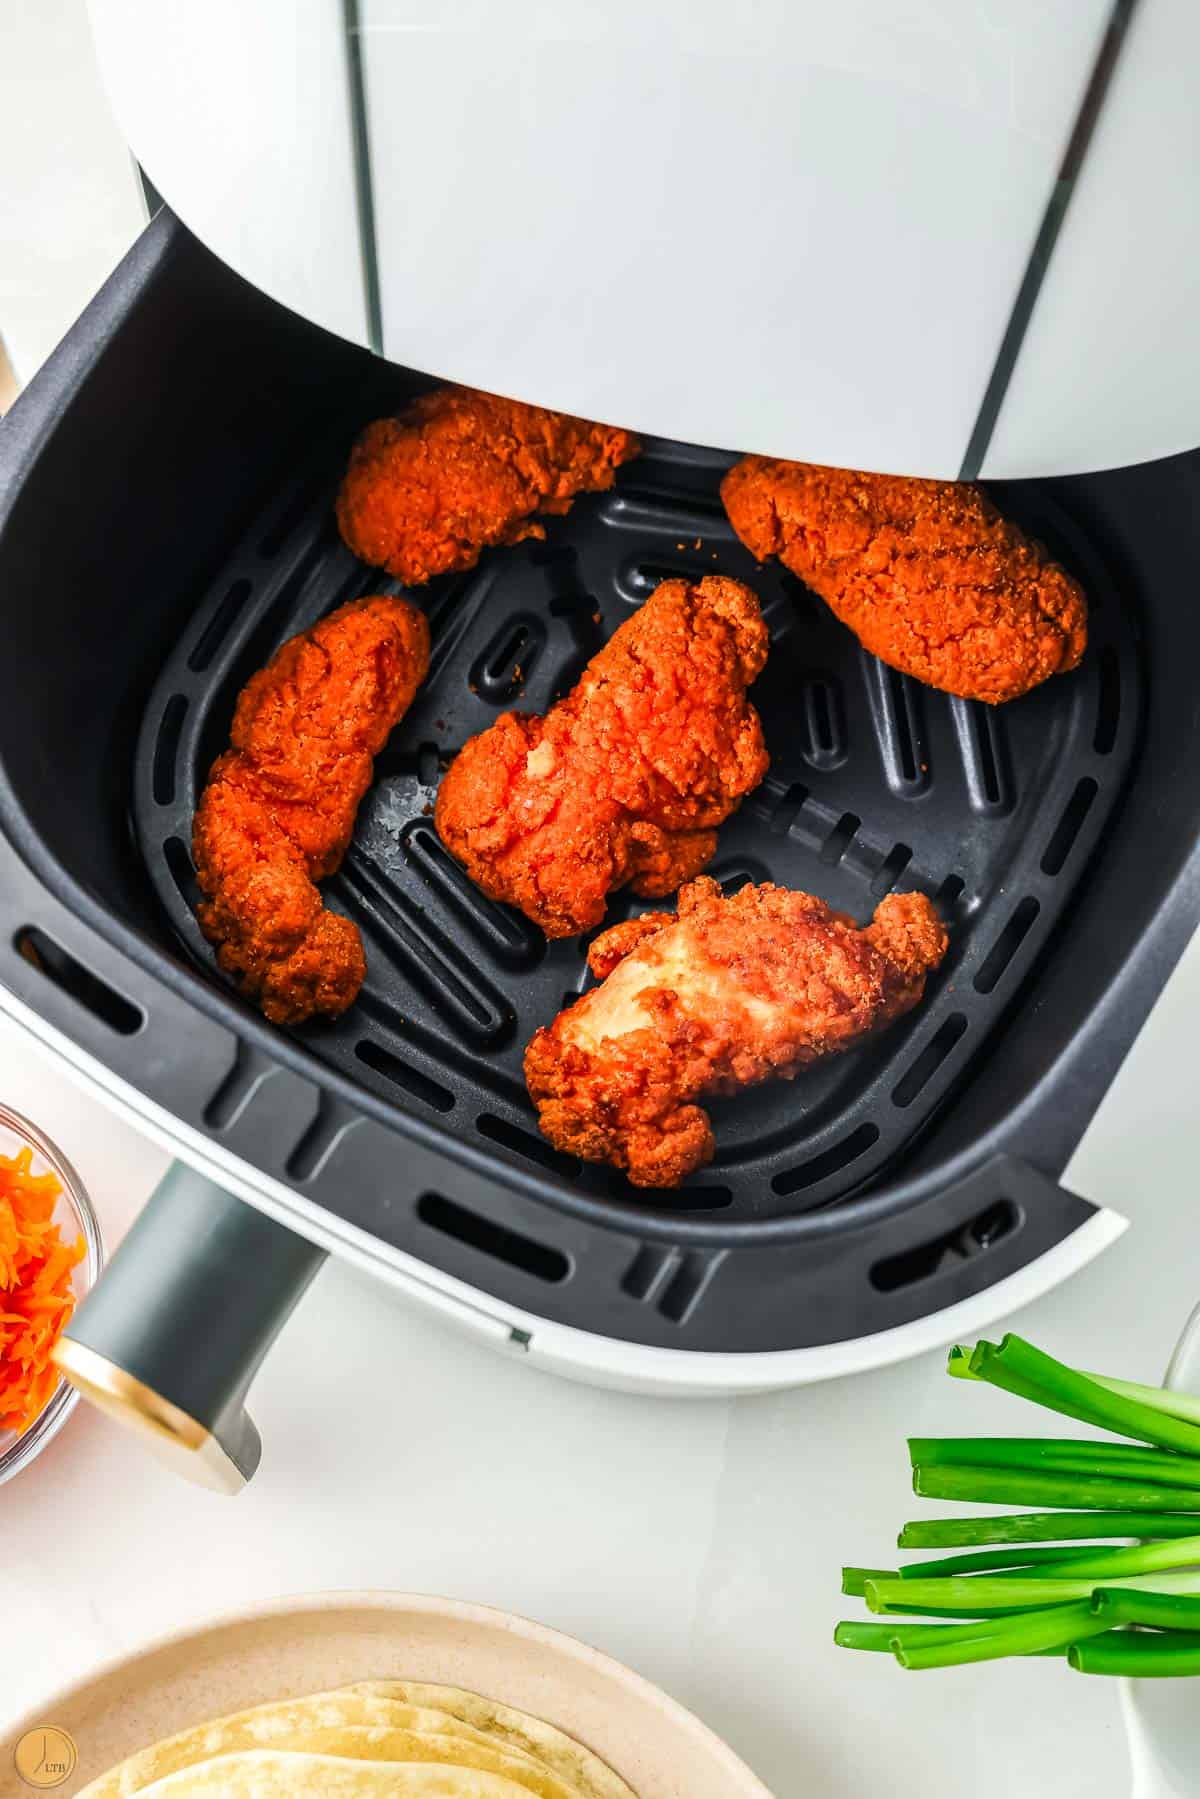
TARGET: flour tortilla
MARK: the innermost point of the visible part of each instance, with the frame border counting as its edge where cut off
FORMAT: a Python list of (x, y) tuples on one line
[(428, 1730), (273, 1726), (276, 1774)]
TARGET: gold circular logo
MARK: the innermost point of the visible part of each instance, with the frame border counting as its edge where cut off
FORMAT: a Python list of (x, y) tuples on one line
[(45, 1757)]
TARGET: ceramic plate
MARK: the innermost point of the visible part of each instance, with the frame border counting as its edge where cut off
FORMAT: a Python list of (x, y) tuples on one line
[(298, 1646)]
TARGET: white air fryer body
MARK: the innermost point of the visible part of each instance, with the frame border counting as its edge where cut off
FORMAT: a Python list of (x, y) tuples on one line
[(805, 229)]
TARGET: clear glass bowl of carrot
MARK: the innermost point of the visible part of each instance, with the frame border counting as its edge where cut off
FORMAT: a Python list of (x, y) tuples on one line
[(50, 1255)]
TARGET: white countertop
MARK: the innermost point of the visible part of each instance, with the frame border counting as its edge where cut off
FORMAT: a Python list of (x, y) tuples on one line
[(700, 1541)]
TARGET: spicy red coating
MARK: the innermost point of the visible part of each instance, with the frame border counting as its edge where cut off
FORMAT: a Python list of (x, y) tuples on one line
[(926, 574), (723, 994), (627, 778), (459, 470), (278, 811)]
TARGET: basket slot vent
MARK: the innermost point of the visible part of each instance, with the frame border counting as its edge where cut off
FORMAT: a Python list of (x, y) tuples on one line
[(930, 1059), (984, 750), (896, 708), (178, 860), (1069, 826), (404, 1075), (1007, 944), (840, 838), (824, 715), (524, 1143), (87, 989), (506, 932), (831, 1161), (891, 868), (166, 750), (1108, 704), (949, 893), (924, 1260), (541, 1260), (220, 622), (504, 666)]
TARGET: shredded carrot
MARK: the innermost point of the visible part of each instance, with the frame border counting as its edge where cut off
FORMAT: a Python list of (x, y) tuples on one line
[(36, 1299)]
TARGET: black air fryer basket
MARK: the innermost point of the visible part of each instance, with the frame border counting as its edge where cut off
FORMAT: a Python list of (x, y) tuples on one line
[(166, 521)]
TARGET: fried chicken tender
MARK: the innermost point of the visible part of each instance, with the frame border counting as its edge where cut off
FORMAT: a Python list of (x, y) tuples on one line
[(279, 808), (459, 470), (627, 778), (723, 995), (927, 574)]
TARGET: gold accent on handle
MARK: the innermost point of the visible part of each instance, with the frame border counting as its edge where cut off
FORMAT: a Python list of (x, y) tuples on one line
[(176, 1438)]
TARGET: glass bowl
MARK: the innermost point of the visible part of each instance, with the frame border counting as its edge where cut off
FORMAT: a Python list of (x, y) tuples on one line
[(75, 1217)]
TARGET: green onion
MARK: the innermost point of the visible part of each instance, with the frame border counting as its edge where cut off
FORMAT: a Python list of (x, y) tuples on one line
[(1121, 1605), (982, 1594), (1114, 1460), (1140, 1558), (859, 1634), (1029, 1486), (1042, 1527), (1159, 1399), (1020, 1368), (992, 1559), (854, 1579), (1139, 1655), (1053, 1628)]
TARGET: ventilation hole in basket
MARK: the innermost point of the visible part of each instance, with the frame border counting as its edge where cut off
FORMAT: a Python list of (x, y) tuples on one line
[(786, 809), (903, 724), (1007, 944), (891, 868), (704, 1199), (930, 1059), (166, 749), (823, 718), (1068, 827), (954, 1247), (503, 667), (523, 1143), (218, 627), (541, 1260), (949, 893), (72, 978), (175, 852), (840, 838), (830, 1161), (1108, 706), (404, 1075)]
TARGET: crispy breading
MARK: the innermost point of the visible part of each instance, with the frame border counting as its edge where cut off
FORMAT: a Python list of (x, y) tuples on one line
[(278, 811), (628, 777), (926, 574), (722, 995), (459, 470)]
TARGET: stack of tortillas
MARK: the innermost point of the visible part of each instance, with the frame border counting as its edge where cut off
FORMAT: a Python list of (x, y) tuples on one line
[(381, 1736)]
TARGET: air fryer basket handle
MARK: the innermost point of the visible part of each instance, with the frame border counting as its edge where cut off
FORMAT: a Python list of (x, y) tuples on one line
[(172, 1335)]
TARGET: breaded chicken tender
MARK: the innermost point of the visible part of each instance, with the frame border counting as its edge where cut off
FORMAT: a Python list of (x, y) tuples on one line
[(722, 995), (927, 574), (279, 808), (459, 470), (628, 777)]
